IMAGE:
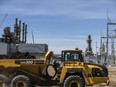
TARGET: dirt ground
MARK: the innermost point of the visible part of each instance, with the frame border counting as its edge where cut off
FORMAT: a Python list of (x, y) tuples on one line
[(112, 76)]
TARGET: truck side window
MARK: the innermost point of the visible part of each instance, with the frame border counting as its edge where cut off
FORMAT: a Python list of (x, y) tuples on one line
[(96, 72), (67, 56)]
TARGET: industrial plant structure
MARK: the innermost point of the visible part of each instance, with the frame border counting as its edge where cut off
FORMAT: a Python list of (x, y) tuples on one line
[(89, 55), (108, 45), (16, 42)]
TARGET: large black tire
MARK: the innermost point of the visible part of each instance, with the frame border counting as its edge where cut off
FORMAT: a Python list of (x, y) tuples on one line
[(4, 81), (21, 81), (74, 81)]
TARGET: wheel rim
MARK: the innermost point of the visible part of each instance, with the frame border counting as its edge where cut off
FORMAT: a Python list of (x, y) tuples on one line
[(74, 84), (2, 84), (20, 84)]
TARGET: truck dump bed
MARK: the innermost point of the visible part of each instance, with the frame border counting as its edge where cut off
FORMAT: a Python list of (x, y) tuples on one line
[(28, 66), (18, 62)]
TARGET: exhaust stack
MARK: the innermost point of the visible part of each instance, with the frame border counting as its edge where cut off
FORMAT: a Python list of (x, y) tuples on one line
[(23, 32)]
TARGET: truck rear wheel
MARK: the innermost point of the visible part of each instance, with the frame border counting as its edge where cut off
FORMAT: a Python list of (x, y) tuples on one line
[(4, 81), (74, 81), (21, 81)]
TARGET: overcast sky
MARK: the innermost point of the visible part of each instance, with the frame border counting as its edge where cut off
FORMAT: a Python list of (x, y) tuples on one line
[(62, 24)]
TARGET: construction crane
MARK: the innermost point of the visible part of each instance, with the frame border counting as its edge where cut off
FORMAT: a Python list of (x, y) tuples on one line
[(32, 36), (3, 20)]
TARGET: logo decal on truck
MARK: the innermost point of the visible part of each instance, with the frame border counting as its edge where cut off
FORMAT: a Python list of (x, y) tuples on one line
[(24, 61), (29, 62)]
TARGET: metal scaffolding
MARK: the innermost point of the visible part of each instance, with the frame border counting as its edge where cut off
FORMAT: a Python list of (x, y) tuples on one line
[(108, 55)]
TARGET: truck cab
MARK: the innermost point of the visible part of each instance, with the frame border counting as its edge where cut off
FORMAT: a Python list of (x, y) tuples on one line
[(72, 55)]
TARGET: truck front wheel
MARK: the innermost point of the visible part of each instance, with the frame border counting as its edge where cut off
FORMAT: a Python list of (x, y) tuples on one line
[(4, 81), (21, 81), (74, 81)]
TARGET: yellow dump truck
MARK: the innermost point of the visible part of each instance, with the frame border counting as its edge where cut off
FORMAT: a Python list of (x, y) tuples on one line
[(71, 72)]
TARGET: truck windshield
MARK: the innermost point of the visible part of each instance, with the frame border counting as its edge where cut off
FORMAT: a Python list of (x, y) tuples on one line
[(72, 56)]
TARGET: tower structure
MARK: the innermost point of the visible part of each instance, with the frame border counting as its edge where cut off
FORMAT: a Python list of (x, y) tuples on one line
[(89, 48)]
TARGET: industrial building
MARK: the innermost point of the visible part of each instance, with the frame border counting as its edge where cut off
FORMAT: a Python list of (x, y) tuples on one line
[(16, 41)]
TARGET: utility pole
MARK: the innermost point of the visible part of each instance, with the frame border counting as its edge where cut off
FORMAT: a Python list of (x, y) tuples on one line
[(107, 43), (96, 53)]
